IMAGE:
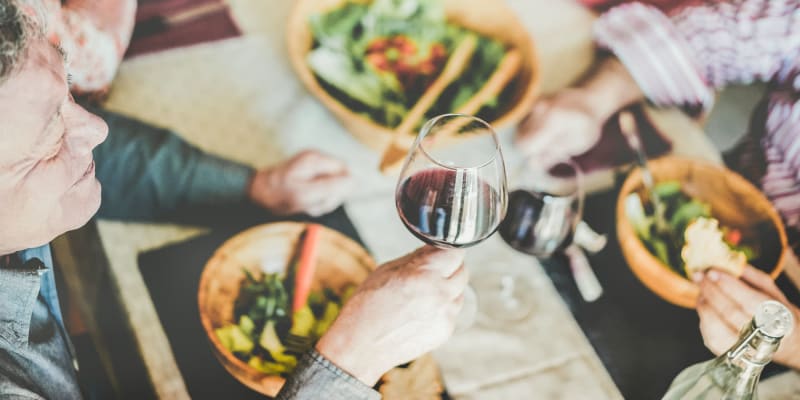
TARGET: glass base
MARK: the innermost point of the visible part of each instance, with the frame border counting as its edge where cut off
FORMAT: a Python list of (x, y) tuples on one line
[(503, 296)]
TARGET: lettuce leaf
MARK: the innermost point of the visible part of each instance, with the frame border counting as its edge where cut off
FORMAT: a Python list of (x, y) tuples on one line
[(339, 70), (343, 36)]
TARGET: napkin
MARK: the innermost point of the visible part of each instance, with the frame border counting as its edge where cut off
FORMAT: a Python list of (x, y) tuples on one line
[(198, 21)]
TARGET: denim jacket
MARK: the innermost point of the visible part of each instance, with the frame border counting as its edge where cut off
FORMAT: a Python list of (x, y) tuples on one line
[(317, 378), (36, 358)]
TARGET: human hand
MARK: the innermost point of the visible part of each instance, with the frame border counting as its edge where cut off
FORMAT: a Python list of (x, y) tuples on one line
[(726, 304), (310, 183), (570, 123), (560, 127), (405, 308)]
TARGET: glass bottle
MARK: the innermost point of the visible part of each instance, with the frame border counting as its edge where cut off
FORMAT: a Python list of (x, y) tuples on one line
[(734, 374)]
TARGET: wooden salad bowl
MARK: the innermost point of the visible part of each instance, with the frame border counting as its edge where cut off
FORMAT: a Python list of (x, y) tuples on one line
[(734, 201), (489, 18), (341, 262)]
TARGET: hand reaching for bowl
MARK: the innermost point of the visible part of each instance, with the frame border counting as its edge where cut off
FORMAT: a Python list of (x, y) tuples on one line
[(726, 304), (560, 127), (570, 122), (405, 308), (310, 182)]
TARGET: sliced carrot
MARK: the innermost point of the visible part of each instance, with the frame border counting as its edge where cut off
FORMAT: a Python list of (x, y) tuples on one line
[(733, 237), (306, 265)]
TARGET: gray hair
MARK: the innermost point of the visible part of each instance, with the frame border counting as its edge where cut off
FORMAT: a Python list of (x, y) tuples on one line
[(17, 28)]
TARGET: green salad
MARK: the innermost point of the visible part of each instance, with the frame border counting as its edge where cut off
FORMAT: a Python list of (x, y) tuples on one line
[(265, 321), (378, 57), (663, 231)]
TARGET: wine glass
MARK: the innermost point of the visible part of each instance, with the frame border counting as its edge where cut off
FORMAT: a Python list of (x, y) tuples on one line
[(453, 195), (544, 210)]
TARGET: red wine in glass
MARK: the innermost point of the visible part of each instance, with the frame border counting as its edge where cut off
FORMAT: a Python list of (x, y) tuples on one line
[(538, 223), (448, 207)]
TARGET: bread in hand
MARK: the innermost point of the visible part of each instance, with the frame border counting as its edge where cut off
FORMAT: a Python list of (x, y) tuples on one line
[(705, 248)]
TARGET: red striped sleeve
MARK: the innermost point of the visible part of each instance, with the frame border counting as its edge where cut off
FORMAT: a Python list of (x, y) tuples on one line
[(706, 44), (655, 53)]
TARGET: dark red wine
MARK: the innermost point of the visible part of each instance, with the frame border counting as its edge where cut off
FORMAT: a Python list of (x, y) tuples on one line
[(536, 224), (448, 207)]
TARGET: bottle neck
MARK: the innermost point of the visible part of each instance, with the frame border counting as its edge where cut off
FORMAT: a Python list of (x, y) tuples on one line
[(747, 358)]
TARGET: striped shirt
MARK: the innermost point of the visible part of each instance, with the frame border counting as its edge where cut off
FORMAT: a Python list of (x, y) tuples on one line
[(681, 57)]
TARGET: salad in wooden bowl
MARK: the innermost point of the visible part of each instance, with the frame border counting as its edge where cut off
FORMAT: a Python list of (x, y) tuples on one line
[(706, 216), (375, 64), (269, 293)]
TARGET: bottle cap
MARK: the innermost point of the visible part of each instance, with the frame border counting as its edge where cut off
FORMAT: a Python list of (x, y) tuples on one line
[(774, 319)]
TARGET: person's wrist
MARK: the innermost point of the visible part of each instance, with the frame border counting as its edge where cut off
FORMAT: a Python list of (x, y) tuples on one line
[(258, 188), (600, 105), (793, 359), (348, 355), (610, 89)]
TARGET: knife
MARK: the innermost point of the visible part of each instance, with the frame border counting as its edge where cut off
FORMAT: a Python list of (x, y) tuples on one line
[(162, 23)]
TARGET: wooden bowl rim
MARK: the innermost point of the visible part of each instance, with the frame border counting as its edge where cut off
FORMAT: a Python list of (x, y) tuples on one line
[(515, 111), (219, 350), (652, 268)]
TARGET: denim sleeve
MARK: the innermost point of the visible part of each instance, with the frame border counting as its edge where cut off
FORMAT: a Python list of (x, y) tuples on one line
[(317, 378), (147, 172)]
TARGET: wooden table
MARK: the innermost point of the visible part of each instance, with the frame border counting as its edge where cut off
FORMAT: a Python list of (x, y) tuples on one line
[(239, 98)]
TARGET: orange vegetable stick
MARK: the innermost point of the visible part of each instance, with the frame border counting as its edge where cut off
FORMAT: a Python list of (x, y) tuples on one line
[(306, 265)]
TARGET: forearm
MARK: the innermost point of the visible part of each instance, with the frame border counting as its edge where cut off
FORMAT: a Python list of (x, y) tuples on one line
[(656, 55), (149, 172), (610, 87), (338, 344)]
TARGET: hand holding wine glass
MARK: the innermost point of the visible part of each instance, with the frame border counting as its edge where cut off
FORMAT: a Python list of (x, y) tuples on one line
[(404, 309), (453, 196)]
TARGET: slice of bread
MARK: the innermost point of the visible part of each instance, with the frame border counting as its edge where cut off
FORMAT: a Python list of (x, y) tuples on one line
[(706, 249)]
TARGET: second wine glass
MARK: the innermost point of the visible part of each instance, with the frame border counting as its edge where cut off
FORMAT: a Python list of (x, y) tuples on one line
[(543, 212), (544, 208)]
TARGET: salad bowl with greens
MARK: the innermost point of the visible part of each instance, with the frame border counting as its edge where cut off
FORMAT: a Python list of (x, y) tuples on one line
[(268, 293), (705, 216), (370, 61)]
